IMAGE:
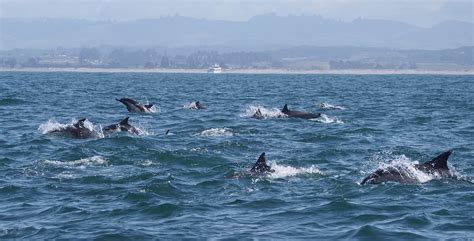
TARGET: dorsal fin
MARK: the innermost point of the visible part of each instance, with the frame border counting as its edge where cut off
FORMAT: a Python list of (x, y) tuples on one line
[(167, 132), (440, 162), (258, 112), (285, 108), (261, 165), (197, 103), (148, 106), (124, 121)]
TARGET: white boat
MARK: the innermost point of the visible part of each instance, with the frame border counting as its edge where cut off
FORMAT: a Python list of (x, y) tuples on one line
[(215, 69)]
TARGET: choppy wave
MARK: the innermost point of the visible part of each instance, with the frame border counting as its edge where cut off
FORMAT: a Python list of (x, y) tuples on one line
[(182, 180), (328, 106), (217, 132), (268, 113)]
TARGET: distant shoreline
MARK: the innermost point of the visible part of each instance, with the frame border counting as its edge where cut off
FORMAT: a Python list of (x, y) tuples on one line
[(246, 71)]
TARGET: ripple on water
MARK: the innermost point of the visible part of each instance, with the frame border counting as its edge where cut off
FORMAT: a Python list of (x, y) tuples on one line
[(12, 102)]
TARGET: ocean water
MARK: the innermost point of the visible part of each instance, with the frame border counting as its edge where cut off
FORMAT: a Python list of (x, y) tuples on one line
[(183, 185)]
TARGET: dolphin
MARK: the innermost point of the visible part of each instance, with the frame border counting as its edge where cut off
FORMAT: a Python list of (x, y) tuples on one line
[(199, 106), (122, 126), (299, 114), (76, 130), (196, 106), (134, 106), (437, 165), (260, 168), (258, 114)]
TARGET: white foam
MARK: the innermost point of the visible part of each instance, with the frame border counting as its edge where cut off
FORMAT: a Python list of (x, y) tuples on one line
[(217, 132), (153, 109), (191, 106), (66, 175), (145, 163), (328, 106), (282, 171), (51, 125), (328, 119), (81, 163), (142, 131), (199, 149), (267, 113)]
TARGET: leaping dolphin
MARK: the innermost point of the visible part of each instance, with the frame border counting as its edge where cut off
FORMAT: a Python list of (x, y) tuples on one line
[(299, 114), (134, 106), (122, 126), (76, 130), (437, 165)]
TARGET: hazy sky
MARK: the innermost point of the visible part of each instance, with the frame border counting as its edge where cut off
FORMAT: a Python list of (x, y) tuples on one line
[(419, 12)]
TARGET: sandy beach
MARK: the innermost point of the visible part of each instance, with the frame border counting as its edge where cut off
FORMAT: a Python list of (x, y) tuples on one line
[(245, 71)]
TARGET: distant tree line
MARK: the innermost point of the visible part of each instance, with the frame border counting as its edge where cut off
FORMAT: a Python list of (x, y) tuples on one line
[(300, 57), (149, 58)]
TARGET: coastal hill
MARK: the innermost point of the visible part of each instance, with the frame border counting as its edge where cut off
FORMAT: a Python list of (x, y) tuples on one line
[(263, 32)]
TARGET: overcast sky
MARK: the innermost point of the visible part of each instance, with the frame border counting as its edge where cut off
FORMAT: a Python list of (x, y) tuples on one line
[(419, 12)]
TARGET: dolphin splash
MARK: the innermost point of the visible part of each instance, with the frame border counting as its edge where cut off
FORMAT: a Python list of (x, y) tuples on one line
[(436, 166), (77, 130)]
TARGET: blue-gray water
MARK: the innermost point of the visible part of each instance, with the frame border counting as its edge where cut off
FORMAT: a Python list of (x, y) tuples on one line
[(176, 186)]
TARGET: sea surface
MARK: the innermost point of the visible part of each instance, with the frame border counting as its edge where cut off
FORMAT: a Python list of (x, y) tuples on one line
[(187, 184)]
